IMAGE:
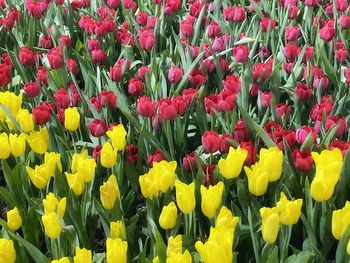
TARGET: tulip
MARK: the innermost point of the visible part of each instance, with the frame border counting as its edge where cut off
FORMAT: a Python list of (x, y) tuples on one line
[(258, 179), (14, 220), (272, 160), (39, 140), (340, 221), (118, 137), (185, 197), (165, 174), (86, 169), (157, 156), (12, 102), (118, 230), (61, 260), (211, 199), (39, 176), (52, 225), (82, 255), (5, 146), (25, 120), (270, 224), (108, 155), (231, 167), (210, 141), (174, 246), (7, 251), (168, 216), (109, 192), (181, 257), (53, 160), (52, 204), (75, 182), (226, 219), (41, 114), (289, 211), (71, 119), (116, 250), (149, 184)]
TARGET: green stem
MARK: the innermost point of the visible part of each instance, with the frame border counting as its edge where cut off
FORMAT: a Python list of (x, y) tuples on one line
[(252, 234)]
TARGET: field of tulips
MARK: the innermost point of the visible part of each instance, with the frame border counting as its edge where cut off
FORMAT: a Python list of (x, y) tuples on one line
[(174, 131)]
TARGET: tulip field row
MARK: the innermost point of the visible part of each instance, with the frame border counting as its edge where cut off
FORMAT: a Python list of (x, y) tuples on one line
[(174, 131)]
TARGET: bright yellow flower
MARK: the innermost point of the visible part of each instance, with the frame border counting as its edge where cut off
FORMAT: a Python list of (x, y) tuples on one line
[(328, 167), (71, 119), (116, 250), (258, 179), (289, 211), (4, 146), (86, 169), (341, 220), (174, 246), (165, 174), (52, 225), (82, 255), (118, 230), (52, 204), (39, 176), (12, 102), (39, 140), (272, 160), (61, 260), (168, 216), (224, 237), (78, 159), (270, 224), (211, 199), (226, 219), (180, 258), (118, 137), (185, 197), (108, 155), (7, 251), (156, 260), (109, 192), (211, 252), (75, 182), (14, 220), (17, 144), (231, 167), (53, 160), (25, 120), (149, 184), (348, 247)]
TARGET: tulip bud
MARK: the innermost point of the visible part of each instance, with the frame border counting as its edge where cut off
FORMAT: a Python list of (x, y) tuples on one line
[(231, 167), (211, 199), (82, 255), (52, 225), (109, 192), (75, 182), (108, 155), (32, 89), (211, 141), (340, 222), (5, 146), (25, 120), (39, 140), (118, 137), (14, 220), (39, 176), (270, 224), (168, 216), (71, 119), (116, 251), (175, 74), (61, 260), (98, 128), (17, 144), (7, 251), (185, 197), (118, 230)]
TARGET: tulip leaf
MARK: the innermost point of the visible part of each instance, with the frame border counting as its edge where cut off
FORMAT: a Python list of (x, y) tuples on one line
[(161, 247), (33, 251), (10, 116), (308, 142), (341, 253), (7, 197), (329, 135), (341, 191), (302, 257)]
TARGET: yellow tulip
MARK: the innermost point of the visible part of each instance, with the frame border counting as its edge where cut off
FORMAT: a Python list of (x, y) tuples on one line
[(289, 211), (71, 119), (165, 174), (226, 219), (7, 251), (258, 179), (341, 220), (185, 198), (4, 146), (82, 255), (75, 182), (38, 141), (108, 155), (348, 247), (52, 204), (14, 220), (168, 216), (174, 246), (116, 250), (211, 199), (118, 230), (17, 144), (52, 225), (61, 260), (149, 184), (211, 252), (78, 159), (328, 167), (180, 258), (53, 160), (231, 167), (224, 238), (25, 120), (156, 260), (39, 176), (12, 102), (270, 224), (109, 192), (118, 137), (272, 160)]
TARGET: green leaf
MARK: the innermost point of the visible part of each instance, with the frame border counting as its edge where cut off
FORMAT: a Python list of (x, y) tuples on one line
[(161, 247), (302, 257)]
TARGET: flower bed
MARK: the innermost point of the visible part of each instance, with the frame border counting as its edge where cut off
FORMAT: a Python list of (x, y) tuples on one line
[(174, 131)]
